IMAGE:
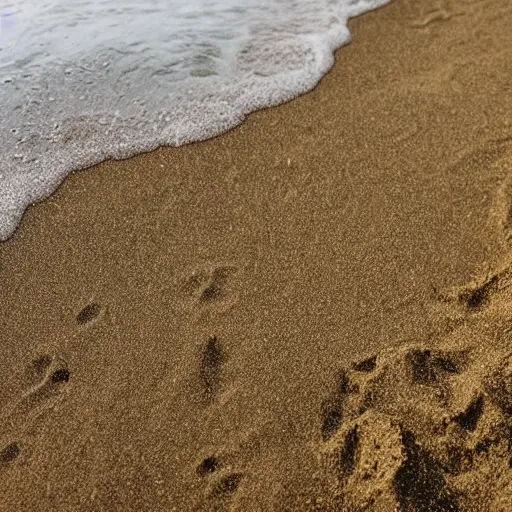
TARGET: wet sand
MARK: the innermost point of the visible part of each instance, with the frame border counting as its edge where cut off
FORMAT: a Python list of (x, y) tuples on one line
[(311, 312)]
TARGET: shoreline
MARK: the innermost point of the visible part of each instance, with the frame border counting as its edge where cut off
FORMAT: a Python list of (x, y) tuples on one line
[(206, 327), (193, 111)]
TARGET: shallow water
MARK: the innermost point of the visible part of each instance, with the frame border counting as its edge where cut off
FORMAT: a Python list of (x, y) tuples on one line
[(83, 81)]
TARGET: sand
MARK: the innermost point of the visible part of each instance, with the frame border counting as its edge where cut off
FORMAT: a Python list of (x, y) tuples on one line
[(311, 312)]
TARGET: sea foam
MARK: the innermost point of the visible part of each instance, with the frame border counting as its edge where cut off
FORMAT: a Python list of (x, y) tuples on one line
[(85, 81)]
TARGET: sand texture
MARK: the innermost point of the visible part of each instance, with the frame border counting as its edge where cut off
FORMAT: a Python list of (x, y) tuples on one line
[(312, 312)]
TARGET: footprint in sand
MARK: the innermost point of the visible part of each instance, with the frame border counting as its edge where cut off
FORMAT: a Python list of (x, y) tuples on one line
[(209, 466), (418, 429), (89, 313), (221, 490), (221, 484), (225, 486), (9, 454), (224, 475), (210, 368), (47, 377), (211, 289)]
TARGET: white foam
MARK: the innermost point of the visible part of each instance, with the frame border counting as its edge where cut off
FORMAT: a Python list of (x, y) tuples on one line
[(82, 81)]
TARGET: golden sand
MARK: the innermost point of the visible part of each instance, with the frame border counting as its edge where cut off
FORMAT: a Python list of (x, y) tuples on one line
[(311, 312)]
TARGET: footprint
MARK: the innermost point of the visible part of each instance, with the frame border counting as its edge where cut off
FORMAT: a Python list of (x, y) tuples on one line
[(418, 429), (477, 296), (9, 454), (48, 376), (209, 466), (347, 455), (210, 368), (60, 376), (380, 467), (88, 313), (41, 364), (221, 492), (211, 289), (490, 294), (38, 368), (226, 486)]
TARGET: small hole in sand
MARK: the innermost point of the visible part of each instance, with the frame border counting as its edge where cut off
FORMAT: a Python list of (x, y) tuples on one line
[(208, 466), (9, 453), (60, 376)]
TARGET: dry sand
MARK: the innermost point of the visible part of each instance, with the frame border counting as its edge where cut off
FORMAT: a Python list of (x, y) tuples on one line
[(312, 312)]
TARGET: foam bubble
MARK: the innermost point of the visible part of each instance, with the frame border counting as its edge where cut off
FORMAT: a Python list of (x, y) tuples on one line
[(82, 81)]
